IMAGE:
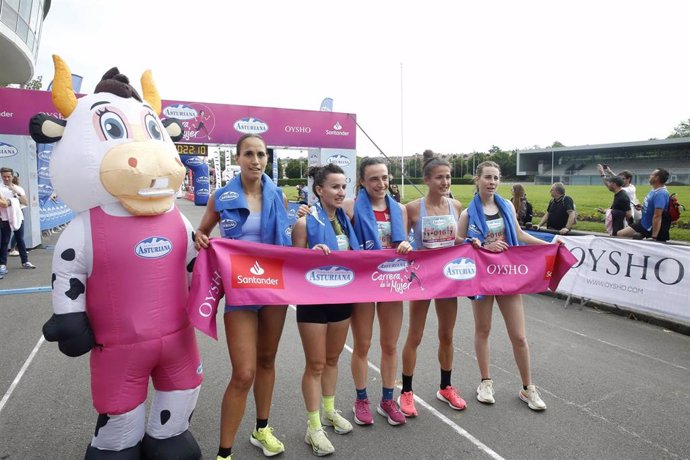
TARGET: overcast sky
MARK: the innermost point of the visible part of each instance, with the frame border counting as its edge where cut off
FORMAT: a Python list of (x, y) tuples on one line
[(474, 74)]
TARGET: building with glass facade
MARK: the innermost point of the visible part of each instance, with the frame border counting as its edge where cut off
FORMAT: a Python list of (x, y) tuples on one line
[(21, 22)]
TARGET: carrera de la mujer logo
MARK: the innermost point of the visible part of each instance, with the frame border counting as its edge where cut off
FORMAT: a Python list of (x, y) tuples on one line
[(256, 272)]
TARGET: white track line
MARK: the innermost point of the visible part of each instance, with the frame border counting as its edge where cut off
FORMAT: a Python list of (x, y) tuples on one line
[(20, 374), (457, 428)]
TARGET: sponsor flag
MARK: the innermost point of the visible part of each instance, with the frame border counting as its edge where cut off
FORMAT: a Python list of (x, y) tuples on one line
[(327, 104), (258, 274)]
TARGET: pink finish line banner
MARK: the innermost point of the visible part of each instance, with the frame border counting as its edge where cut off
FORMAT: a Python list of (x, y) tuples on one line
[(206, 123), (259, 274)]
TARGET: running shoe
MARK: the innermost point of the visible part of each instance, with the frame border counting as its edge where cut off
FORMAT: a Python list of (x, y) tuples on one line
[(450, 396), (406, 402), (339, 423), (389, 409), (229, 457), (28, 265), (485, 392), (3, 269), (531, 397), (13, 253), (264, 439), (318, 440), (362, 412)]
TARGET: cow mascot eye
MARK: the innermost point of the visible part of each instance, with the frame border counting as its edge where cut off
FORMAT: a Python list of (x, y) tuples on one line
[(152, 127), (112, 125)]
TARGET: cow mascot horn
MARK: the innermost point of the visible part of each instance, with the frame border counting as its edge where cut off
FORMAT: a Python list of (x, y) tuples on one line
[(121, 268)]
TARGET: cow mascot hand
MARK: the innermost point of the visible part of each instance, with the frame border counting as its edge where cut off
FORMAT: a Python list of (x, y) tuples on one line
[(122, 266)]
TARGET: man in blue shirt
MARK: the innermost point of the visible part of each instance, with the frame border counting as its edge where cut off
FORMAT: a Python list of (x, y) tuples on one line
[(655, 222)]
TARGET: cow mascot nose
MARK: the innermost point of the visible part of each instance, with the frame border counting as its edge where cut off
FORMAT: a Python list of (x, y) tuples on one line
[(121, 268)]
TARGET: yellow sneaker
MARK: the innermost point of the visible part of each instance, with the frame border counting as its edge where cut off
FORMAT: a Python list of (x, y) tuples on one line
[(264, 439)]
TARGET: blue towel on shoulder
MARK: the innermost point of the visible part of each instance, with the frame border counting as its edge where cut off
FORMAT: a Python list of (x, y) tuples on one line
[(320, 230), (232, 206), (477, 227), (365, 221)]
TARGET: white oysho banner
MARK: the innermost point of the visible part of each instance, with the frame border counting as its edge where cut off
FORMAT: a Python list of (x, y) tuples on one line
[(641, 276)]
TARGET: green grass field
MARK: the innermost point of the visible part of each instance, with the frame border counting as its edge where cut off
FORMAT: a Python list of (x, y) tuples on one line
[(587, 199)]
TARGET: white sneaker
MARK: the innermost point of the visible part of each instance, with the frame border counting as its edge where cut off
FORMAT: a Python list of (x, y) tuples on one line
[(531, 397), (485, 392), (339, 423), (318, 440), (14, 253)]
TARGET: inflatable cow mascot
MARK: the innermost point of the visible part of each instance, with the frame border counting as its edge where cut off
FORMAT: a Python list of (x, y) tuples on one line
[(121, 268)]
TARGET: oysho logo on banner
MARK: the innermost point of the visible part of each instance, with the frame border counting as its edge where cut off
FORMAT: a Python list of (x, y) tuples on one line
[(256, 272), (250, 125), (337, 130), (460, 269), (153, 247), (298, 129), (339, 160), (180, 111), (7, 150), (330, 276)]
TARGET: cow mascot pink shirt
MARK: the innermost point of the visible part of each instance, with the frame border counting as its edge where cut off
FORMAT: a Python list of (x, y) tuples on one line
[(121, 268)]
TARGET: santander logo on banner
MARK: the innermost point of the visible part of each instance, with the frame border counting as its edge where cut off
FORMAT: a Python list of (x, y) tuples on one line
[(337, 130), (256, 272)]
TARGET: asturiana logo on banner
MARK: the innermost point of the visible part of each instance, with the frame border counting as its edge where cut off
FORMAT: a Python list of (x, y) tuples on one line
[(460, 269), (7, 150), (330, 276), (339, 160), (228, 196), (153, 247), (337, 130), (180, 111), (393, 265), (193, 161), (44, 172), (44, 155), (250, 125), (256, 272)]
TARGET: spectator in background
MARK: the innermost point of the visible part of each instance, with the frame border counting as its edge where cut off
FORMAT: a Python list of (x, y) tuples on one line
[(560, 214), (655, 222), (619, 213), (628, 186), (302, 197), (394, 191), (12, 215), (523, 208)]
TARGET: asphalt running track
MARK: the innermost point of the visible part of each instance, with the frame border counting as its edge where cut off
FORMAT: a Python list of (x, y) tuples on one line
[(615, 388)]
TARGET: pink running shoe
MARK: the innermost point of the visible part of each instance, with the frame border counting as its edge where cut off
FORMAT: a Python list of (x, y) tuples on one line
[(389, 409), (450, 396), (362, 412), (406, 402)]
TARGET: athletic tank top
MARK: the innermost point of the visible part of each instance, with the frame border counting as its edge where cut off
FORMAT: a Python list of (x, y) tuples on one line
[(383, 224), (251, 230), (435, 231), (343, 240), (496, 228)]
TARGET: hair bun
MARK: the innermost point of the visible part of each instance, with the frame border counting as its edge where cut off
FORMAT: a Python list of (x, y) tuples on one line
[(428, 154)]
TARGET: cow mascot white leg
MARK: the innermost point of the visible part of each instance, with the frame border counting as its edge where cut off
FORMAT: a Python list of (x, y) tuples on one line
[(121, 268)]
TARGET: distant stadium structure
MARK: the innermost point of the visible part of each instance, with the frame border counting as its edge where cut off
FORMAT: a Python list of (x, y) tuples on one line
[(578, 165)]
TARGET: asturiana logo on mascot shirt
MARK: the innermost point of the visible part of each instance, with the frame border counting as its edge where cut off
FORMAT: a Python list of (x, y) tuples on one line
[(228, 196), (7, 150), (256, 272), (250, 125), (460, 269), (180, 111), (153, 247), (44, 155), (330, 276), (339, 160)]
